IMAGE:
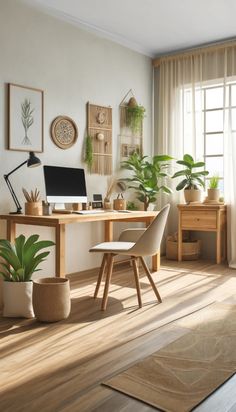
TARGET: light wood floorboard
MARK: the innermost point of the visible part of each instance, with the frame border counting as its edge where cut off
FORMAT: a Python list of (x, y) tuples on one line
[(60, 366)]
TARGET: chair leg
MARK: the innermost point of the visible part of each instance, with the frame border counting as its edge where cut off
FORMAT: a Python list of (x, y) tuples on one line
[(150, 279), (100, 275), (110, 260), (136, 277)]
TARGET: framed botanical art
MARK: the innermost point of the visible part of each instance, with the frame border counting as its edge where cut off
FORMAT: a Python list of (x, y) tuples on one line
[(25, 118)]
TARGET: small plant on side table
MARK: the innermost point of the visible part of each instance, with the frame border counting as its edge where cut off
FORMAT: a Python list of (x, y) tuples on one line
[(213, 191), (192, 178)]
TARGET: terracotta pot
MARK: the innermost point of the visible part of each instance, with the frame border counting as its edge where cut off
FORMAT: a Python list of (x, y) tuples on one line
[(17, 299), (213, 194), (192, 195), (51, 299)]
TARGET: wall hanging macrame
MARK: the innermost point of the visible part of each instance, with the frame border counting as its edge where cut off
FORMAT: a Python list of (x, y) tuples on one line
[(99, 128), (131, 126)]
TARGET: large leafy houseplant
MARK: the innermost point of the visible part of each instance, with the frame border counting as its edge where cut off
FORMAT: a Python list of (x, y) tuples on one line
[(192, 176), (21, 259), (148, 178)]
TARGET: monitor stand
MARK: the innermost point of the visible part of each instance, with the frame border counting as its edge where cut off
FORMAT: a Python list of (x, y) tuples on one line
[(59, 206)]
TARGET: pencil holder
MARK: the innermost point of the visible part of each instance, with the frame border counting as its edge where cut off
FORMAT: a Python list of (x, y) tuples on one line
[(34, 208)]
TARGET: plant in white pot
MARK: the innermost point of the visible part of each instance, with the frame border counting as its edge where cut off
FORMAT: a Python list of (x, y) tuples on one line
[(213, 191), (20, 262), (192, 178)]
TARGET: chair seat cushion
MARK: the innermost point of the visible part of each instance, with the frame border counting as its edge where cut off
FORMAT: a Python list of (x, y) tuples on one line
[(109, 247)]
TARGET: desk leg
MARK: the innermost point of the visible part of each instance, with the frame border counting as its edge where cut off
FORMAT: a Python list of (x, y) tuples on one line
[(225, 242), (60, 251), (11, 230), (180, 238), (156, 261), (218, 246), (108, 231)]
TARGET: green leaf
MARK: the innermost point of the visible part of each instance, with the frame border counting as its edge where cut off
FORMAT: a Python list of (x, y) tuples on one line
[(30, 241), (184, 163), (181, 185), (10, 258), (188, 158), (166, 189), (199, 164), (19, 245), (162, 158), (180, 173)]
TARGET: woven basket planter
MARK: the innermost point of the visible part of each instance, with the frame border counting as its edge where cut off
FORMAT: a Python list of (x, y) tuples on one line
[(190, 250), (51, 299)]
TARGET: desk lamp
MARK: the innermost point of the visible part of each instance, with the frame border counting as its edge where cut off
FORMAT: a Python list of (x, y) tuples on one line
[(32, 161)]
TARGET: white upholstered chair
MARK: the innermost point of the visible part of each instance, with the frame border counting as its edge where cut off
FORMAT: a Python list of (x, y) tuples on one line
[(135, 243)]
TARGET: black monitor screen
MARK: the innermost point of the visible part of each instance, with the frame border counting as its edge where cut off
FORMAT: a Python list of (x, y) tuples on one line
[(64, 182)]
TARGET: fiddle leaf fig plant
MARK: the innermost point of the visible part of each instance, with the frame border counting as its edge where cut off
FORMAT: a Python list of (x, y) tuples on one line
[(148, 178), (21, 259), (192, 178)]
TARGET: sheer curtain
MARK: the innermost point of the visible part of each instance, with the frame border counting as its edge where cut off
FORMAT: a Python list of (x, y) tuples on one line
[(179, 119)]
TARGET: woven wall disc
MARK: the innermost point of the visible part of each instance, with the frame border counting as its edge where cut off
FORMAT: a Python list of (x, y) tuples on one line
[(64, 132)]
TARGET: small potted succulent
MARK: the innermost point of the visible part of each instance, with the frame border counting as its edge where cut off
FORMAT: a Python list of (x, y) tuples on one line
[(193, 179), (20, 262), (213, 191)]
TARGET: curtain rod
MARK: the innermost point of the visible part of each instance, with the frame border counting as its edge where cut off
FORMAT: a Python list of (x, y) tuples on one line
[(194, 51)]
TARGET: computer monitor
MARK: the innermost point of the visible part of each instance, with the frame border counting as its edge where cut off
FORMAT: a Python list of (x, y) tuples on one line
[(64, 185)]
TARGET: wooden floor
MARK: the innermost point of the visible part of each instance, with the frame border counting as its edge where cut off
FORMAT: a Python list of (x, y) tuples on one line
[(60, 366)]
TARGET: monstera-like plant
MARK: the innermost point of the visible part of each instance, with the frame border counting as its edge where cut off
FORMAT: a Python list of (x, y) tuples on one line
[(148, 178)]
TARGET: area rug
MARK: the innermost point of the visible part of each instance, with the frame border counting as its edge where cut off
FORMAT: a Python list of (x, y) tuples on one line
[(181, 375)]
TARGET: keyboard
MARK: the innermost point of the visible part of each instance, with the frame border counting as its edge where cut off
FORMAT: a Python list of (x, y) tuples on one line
[(89, 212)]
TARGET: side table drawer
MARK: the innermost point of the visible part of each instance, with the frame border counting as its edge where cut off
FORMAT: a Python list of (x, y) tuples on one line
[(198, 220)]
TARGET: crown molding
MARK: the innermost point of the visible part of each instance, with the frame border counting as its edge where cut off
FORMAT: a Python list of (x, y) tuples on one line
[(81, 24)]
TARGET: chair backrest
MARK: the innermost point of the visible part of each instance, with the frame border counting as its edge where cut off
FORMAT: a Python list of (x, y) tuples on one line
[(149, 243)]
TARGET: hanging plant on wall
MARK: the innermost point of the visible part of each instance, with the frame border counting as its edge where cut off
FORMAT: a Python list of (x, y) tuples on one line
[(135, 115), (89, 152)]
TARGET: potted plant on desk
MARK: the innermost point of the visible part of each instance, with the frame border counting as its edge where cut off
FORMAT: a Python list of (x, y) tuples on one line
[(192, 178), (20, 262)]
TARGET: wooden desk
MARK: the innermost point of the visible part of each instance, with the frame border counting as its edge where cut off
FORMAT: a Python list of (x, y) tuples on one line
[(207, 218), (59, 222)]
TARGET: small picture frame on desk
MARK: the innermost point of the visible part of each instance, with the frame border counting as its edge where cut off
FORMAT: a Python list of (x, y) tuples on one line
[(25, 118)]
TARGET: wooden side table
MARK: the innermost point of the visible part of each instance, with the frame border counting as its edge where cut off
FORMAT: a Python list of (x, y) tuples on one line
[(207, 218)]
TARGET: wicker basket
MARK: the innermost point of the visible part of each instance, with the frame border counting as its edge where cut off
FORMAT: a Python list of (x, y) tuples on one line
[(190, 250)]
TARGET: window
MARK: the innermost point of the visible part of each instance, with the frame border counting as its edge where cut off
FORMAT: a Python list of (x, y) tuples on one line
[(213, 110)]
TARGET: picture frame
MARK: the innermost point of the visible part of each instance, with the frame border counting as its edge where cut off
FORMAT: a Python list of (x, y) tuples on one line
[(128, 149), (25, 118)]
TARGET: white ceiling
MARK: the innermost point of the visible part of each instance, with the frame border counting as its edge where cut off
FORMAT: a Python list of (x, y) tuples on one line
[(152, 27)]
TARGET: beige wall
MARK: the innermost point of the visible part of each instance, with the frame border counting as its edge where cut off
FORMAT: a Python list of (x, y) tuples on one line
[(72, 67)]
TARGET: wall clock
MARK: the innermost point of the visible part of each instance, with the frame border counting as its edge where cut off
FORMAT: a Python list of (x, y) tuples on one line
[(64, 132)]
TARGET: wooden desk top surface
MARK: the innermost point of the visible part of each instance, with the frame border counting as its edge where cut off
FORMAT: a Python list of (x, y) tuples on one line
[(201, 206), (56, 218)]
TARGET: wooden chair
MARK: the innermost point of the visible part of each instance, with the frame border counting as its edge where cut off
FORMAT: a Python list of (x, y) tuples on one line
[(147, 244)]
